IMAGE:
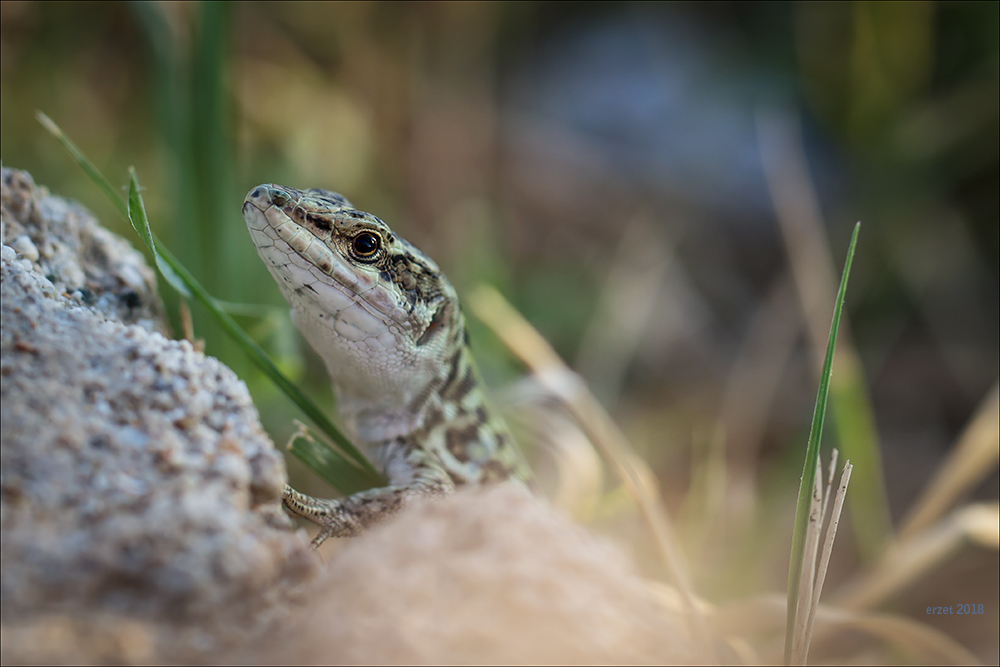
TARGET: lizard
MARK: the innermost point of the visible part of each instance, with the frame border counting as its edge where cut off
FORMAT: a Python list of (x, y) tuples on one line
[(387, 324)]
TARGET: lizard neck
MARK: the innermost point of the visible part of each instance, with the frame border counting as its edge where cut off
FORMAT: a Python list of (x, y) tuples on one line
[(460, 427), (450, 417)]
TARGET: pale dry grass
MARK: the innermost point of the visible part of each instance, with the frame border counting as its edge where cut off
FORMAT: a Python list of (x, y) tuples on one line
[(749, 628)]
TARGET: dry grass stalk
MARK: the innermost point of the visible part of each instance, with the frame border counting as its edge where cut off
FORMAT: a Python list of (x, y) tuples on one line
[(808, 574), (579, 473), (535, 352), (829, 479), (970, 460), (831, 535), (632, 289), (811, 586), (802, 228), (927, 540), (911, 559), (747, 403), (764, 615), (702, 513)]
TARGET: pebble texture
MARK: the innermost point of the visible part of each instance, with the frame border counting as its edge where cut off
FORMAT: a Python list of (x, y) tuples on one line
[(85, 263), (134, 475)]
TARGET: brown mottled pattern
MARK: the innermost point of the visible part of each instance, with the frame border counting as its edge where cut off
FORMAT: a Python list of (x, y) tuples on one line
[(417, 281), (460, 389), (451, 437), (494, 471), (457, 440)]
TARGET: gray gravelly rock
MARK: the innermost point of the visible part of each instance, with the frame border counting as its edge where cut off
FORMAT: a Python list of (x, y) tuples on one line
[(135, 476)]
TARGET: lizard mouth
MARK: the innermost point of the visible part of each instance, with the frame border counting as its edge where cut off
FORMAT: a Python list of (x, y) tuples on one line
[(300, 258)]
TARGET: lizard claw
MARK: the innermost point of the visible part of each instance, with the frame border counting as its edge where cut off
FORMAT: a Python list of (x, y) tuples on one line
[(321, 537)]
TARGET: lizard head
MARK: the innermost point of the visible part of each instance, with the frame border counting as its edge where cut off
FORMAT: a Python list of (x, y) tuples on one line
[(378, 311)]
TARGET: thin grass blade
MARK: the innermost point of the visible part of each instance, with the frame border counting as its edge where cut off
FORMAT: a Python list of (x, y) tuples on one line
[(762, 614), (829, 482), (808, 574), (912, 559), (824, 563), (802, 508), (974, 457), (140, 223), (800, 219), (322, 459), (88, 167)]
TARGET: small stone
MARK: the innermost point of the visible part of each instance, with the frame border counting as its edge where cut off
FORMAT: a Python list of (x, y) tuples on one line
[(24, 247), (131, 277)]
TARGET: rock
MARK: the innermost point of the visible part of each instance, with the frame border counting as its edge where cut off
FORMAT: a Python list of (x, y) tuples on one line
[(85, 263), (487, 576), (135, 478)]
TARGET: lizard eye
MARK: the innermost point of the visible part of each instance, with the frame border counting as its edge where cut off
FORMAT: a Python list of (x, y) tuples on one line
[(365, 245)]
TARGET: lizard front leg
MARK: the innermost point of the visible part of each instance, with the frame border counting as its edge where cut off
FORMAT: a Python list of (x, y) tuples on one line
[(413, 473)]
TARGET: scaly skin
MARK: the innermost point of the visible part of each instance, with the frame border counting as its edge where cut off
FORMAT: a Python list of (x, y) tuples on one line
[(387, 324)]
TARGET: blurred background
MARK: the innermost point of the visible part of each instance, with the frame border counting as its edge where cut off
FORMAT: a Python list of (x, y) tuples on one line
[(666, 192)]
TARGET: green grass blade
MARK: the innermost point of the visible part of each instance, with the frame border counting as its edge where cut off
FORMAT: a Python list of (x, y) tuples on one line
[(321, 459), (257, 310), (88, 167), (352, 470), (802, 507), (140, 223)]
